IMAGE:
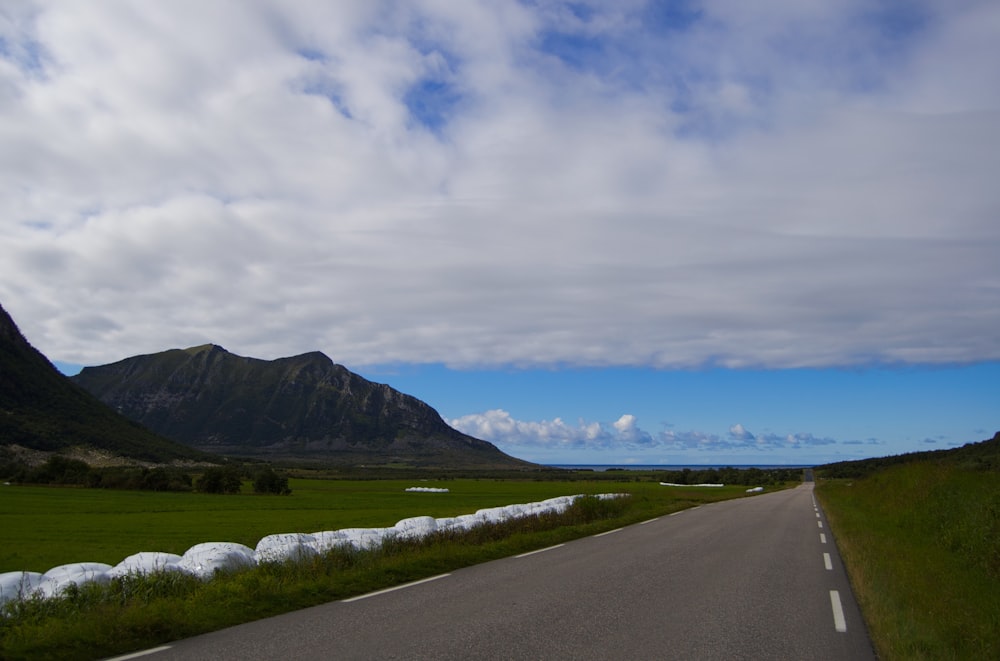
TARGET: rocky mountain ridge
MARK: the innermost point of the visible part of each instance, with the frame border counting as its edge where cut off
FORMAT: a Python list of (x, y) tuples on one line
[(41, 411), (302, 407)]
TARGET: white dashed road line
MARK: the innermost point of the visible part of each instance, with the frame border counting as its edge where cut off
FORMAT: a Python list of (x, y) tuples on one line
[(839, 623)]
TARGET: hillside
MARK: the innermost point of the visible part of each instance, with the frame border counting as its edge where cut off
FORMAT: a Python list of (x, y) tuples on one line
[(982, 455), (302, 407), (40, 409)]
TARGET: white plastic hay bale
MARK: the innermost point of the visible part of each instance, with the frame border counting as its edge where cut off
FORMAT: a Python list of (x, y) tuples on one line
[(18, 584), (557, 505), (515, 511), (415, 527), (328, 540), (204, 559), (57, 579), (449, 523), (492, 514), (672, 484), (145, 562), (427, 490), (295, 546), (755, 490), (467, 521), (535, 509), (74, 568), (365, 538)]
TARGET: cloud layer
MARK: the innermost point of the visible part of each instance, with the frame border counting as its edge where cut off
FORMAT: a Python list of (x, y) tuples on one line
[(624, 437), (504, 183)]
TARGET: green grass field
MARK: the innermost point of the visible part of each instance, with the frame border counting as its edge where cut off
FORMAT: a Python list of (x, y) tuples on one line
[(921, 543), (43, 527)]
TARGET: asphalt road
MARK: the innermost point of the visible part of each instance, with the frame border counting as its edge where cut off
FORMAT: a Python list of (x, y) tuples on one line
[(755, 578)]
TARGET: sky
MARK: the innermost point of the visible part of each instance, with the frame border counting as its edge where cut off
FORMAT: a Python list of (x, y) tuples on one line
[(675, 232)]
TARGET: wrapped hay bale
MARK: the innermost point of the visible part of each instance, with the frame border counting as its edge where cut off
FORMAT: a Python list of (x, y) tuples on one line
[(204, 559), (285, 546), (18, 585), (146, 562), (56, 580), (328, 540), (364, 538), (415, 527)]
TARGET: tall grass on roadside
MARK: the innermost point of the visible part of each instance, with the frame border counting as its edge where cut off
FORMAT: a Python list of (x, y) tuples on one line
[(921, 543), (141, 611)]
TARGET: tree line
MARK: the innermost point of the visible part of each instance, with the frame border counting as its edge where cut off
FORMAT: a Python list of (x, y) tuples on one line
[(65, 471), (728, 475)]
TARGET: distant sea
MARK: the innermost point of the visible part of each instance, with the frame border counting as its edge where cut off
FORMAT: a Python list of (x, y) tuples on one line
[(669, 467)]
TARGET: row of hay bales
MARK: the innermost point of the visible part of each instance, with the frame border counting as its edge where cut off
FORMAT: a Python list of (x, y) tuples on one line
[(673, 484), (203, 560)]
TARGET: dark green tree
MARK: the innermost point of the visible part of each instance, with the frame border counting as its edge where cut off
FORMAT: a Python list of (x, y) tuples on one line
[(60, 470), (268, 481), (219, 480)]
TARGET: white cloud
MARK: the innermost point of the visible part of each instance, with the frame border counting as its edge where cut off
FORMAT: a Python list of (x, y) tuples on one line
[(542, 438), (739, 432), (627, 431), (806, 184), (500, 427)]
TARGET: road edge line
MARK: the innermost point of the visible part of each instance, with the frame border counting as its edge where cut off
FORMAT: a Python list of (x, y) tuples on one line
[(136, 655), (393, 588), (547, 548)]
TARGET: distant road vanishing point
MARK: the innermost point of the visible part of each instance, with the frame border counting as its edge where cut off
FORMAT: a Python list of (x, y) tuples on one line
[(753, 578)]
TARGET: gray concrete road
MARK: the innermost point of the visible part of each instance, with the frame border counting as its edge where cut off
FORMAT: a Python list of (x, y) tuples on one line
[(755, 578)]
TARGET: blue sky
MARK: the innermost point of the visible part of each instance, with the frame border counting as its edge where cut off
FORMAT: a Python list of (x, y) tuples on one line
[(590, 232), (715, 416)]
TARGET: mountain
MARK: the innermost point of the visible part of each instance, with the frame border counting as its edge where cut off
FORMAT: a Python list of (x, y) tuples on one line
[(40, 409), (302, 407)]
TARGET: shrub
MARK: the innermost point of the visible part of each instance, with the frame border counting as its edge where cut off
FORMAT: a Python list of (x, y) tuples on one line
[(268, 481), (60, 470), (219, 480)]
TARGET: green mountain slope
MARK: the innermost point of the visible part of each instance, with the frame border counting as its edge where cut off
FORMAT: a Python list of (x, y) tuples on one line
[(982, 455), (41, 409), (302, 407)]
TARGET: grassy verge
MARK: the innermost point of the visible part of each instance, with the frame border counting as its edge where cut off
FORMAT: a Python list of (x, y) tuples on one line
[(136, 613), (921, 543)]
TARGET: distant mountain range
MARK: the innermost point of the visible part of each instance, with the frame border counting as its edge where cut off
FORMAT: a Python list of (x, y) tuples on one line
[(304, 407), (40, 409)]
